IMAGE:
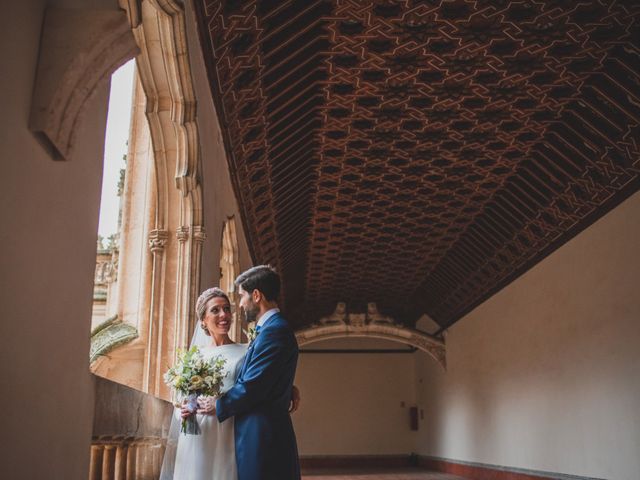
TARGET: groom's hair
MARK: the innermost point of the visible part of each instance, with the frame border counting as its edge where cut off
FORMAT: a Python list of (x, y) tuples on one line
[(263, 278)]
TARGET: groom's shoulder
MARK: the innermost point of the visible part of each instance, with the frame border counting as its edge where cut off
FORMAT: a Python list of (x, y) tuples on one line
[(280, 323)]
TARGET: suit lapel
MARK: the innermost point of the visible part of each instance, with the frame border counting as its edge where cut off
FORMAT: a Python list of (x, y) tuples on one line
[(245, 362), (249, 354)]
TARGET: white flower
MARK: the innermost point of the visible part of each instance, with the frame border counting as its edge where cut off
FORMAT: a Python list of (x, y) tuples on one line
[(193, 374), (251, 333)]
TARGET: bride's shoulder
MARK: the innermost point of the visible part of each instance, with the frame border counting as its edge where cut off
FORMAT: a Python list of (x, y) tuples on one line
[(234, 352), (240, 346), (239, 350), (230, 347)]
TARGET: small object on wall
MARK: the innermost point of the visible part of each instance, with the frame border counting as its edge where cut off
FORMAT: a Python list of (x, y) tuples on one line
[(413, 418)]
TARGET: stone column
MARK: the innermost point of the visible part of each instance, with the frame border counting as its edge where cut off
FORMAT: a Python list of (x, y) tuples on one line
[(95, 465), (157, 244), (132, 460), (108, 461), (120, 466), (181, 337), (199, 236)]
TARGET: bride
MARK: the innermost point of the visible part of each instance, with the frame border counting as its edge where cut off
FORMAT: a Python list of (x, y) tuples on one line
[(210, 455)]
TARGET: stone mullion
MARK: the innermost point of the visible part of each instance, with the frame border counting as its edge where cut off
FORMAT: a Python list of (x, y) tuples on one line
[(157, 244), (180, 339), (190, 241), (199, 236)]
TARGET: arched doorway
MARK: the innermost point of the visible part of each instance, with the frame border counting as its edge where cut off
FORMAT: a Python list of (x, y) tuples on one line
[(359, 381)]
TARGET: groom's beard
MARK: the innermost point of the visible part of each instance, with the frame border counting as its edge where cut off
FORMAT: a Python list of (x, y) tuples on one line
[(251, 312)]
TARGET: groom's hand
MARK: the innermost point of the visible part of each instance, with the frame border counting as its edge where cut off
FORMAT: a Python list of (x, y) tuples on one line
[(295, 399), (206, 405)]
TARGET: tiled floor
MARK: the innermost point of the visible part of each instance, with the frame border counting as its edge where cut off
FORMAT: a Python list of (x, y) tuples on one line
[(377, 474)]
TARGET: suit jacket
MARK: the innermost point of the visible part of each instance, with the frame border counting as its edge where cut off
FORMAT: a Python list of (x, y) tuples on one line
[(259, 401)]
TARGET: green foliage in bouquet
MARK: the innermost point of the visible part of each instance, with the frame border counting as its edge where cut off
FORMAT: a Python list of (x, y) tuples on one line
[(193, 376)]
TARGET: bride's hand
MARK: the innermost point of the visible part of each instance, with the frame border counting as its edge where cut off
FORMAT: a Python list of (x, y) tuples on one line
[(206, 405), (184, 410)]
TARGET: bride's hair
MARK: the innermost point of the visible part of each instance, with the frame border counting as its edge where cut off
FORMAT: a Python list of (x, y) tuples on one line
[(203, 299)]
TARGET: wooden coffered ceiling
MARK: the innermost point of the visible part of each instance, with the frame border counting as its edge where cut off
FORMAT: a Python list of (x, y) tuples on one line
[(421, 154)]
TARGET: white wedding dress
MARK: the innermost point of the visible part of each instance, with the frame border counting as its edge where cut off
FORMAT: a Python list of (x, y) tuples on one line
[(211, 455)]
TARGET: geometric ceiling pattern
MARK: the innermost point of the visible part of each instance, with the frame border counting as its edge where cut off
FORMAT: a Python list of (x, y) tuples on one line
[(421, 154)]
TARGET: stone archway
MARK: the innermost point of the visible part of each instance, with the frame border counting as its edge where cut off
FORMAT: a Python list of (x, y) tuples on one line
[(371, 324), (176, 231), (163, 223), (71, 68)]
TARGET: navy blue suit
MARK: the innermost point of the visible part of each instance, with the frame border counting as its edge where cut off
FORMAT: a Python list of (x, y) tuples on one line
[(259, 401)]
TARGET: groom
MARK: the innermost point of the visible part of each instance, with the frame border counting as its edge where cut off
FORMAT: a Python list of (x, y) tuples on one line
[(265, 442)]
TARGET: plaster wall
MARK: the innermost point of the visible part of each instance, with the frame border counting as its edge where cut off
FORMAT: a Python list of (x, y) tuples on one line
[(49, 212), (352, 403), (545, 375)]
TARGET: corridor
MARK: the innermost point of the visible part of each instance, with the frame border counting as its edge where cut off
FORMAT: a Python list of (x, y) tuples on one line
[(408, 473)]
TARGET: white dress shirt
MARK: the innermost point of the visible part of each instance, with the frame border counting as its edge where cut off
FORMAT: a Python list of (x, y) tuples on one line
[(266, 316)]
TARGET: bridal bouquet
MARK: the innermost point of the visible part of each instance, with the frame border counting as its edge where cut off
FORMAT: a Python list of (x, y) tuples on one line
[(193, 376)]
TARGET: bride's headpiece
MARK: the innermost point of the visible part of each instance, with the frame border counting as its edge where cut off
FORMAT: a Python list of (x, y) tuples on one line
[(203, 299)]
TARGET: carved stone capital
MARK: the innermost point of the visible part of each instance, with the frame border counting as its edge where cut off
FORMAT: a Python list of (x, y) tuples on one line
[(182, 234), (199, 235), (158, 240), (185, 184)]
